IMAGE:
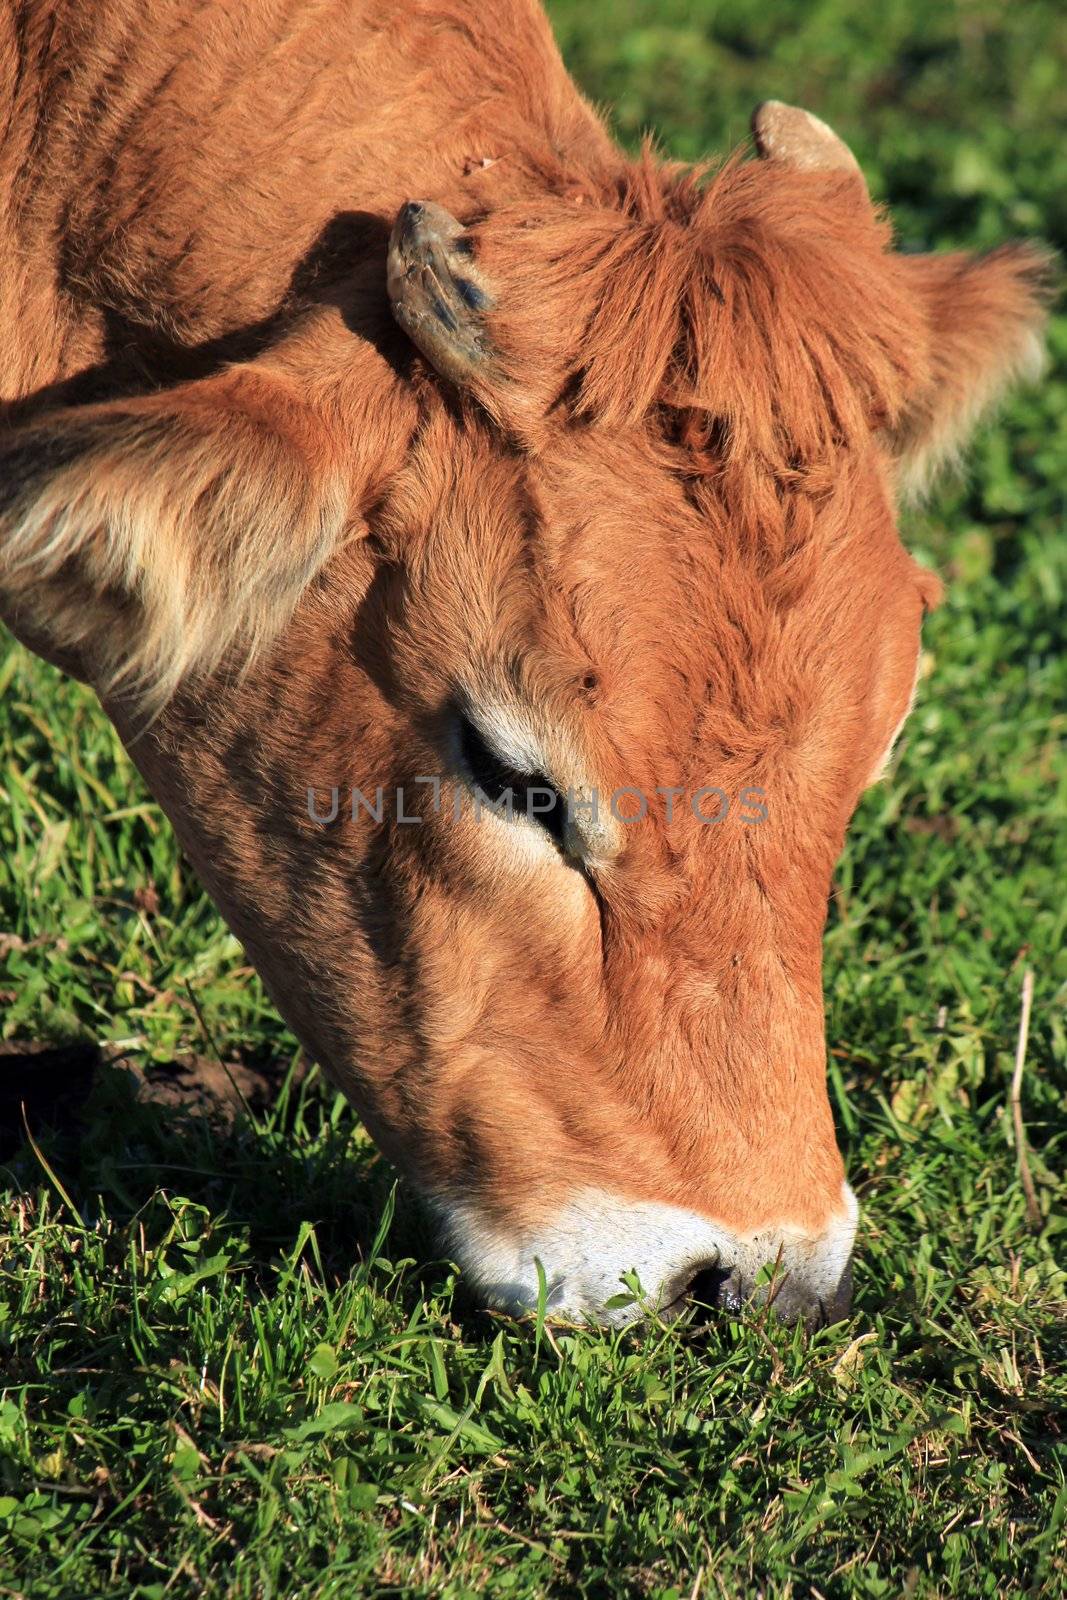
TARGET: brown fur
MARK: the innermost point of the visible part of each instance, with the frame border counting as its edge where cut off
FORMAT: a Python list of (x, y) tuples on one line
[(663, 520)]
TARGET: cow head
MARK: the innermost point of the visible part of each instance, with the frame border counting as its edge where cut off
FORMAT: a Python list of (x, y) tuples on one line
[(619, 544)]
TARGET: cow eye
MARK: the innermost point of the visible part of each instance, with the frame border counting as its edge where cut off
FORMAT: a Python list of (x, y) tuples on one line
[(532, 794)]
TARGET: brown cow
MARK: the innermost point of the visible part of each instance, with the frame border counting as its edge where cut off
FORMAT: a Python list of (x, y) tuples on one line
[(591, 490)]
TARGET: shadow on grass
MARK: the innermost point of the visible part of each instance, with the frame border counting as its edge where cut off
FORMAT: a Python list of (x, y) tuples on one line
[(266, 1146)]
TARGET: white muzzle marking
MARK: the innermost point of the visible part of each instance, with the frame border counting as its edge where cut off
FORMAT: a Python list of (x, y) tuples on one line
[(597, 1237)]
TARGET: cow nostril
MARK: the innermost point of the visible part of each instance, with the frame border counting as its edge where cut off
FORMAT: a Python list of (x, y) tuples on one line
[(840, 1303), (715, 1287), (729, 1289)]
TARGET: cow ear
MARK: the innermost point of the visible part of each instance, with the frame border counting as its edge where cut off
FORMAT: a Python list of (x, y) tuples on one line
[(146, 540), (985, 316), (982, 316)]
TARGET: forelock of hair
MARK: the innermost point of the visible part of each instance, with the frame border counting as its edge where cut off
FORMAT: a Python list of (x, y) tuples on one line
[(756, 313)]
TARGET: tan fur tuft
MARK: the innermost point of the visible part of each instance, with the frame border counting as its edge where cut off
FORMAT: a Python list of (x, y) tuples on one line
[(986, 317), (158, 538)]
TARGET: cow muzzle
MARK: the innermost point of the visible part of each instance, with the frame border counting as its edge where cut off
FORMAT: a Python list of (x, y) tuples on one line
[(607, 1260)]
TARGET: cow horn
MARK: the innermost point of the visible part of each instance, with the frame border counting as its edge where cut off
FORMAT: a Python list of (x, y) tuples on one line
[(438, 295), (786, 133)]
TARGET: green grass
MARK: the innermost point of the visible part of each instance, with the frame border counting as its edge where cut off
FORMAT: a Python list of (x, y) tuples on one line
[(229, 1368)]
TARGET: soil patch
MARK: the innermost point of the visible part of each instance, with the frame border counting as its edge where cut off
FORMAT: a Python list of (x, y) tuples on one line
[(50, 1085)]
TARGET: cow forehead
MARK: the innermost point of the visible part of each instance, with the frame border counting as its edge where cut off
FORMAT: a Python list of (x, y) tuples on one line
[(581, 551), (590, 576), (591, 544)]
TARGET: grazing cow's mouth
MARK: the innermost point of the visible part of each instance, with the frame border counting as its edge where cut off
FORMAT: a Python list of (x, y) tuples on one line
[(719, 1288), (588, 1263)]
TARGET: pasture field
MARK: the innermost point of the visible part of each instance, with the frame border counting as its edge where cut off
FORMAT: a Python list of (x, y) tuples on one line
[(231, 1363)]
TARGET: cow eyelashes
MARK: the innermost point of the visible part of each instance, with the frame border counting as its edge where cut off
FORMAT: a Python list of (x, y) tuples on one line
[(532, 795)]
